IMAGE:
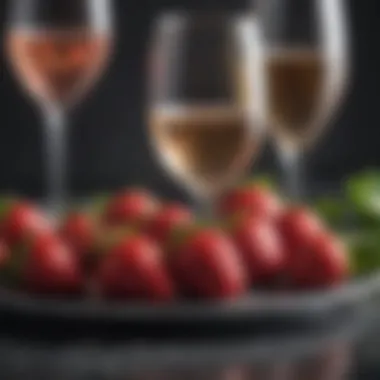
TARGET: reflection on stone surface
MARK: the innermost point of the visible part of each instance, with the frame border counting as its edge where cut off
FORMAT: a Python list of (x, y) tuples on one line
[(334, 363), (332, 355), (330, 363)]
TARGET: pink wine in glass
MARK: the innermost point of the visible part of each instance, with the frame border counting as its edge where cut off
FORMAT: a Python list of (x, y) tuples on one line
[(58, 67)]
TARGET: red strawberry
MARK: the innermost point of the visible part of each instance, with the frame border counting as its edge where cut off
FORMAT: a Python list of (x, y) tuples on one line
[(21, 220), (324, 263), (253, 200), (105, 238), (5, 256), (261, 248), (207, 264), (51, 267), (79, 231), (170, 217), (298, 226), (135, 269), (4, 253), (130, 207), (44, 265)]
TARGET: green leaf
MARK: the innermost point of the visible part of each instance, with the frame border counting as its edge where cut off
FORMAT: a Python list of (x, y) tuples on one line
[(364, 249), (11, 274), (6, 202), (264, 180), (111, 237), (178, 236), (98, 204), (363, 191), (332, 210)]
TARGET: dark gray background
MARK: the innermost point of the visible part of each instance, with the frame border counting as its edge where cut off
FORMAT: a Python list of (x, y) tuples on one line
[(108, 147)]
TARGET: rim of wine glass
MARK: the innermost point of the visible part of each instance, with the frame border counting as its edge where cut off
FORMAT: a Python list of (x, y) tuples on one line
[(101, 17), (201, 18)]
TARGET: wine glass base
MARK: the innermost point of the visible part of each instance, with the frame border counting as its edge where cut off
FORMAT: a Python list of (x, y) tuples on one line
[(53, 212)]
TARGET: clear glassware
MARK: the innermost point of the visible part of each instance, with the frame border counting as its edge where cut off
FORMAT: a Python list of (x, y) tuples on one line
[(58, 49), (206, 108), (307, 67)]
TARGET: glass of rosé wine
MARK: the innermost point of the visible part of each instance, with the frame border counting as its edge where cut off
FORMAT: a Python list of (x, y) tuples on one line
[(58, 49)]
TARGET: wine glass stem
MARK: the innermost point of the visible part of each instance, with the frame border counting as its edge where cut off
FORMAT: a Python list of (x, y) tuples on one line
[(55, 158), (203, 204), (207, 211), (294, 175)]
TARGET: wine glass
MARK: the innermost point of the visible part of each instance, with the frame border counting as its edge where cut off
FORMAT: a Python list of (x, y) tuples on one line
[(58, 49), (205, 104), (306, 60)]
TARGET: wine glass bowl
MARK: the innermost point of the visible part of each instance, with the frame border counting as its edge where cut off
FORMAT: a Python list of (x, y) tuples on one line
[(58, 67), (203, 121), (295, 88), (204, 147), (58, 48)]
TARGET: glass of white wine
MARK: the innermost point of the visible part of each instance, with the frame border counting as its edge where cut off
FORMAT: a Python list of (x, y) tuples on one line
[(206, 108), (307, 66)]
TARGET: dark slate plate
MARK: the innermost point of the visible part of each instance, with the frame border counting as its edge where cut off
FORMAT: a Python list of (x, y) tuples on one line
[(256, 306)]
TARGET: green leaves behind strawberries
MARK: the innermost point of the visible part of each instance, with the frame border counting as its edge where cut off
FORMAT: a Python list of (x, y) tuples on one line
[(335, 211), (363, 192), (98, 204), (265, 181), (364, 251), (12, 264), (357, 207), (181, 234), (6, 203), (357, 210)]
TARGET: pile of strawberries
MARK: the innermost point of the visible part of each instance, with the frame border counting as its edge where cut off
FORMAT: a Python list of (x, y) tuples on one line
[(138, 248)]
